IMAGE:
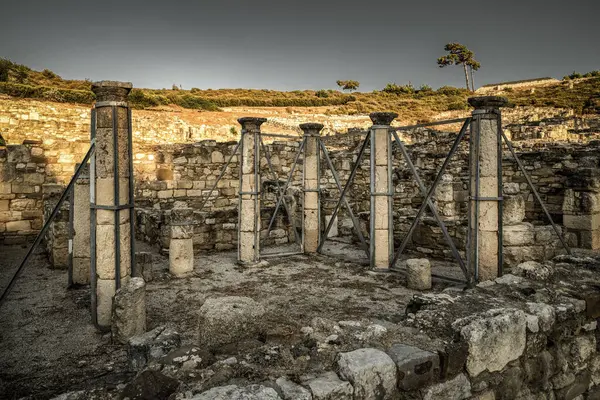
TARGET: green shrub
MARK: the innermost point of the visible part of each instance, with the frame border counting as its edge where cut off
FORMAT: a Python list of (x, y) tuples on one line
[(47, 93), (457, 105), (425, 88), (322, 94), (451, 91), (49, 74), (5, 66), (398, 89)]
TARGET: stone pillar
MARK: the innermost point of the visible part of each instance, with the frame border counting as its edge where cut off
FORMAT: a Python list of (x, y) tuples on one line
[(382, 189), (249, 195), (312, 188), (80, 245), (111, 179), (485, 251), (581, 208), (181, 247)]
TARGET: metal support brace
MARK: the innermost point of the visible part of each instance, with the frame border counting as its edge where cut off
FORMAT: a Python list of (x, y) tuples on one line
[(285, 187), (430, 193), (431, 205), (355, 222), (281, 194), (53, 215), (535, 192), (345, 191)]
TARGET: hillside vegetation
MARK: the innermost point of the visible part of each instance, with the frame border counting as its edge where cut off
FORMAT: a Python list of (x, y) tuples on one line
[(21, 81)]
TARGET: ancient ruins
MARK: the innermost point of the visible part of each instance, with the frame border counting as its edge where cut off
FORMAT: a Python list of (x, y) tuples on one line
[(455, 259)]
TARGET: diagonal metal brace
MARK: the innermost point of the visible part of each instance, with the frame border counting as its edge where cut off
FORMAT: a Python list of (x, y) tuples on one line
[(432, 206), (281, 194), (427, 199), (345, 190), (336, 177)]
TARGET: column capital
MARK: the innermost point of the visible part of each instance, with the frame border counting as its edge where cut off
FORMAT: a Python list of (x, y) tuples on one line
[(111, 90), (251, 123), (383, 118), (487, 102), (311, 128)]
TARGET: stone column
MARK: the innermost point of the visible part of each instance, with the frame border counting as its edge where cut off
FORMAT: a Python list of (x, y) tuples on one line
[(249, 195), (181, 247), (312, 205), (382, 189), (80, 246), (485, 219), (112, 178)]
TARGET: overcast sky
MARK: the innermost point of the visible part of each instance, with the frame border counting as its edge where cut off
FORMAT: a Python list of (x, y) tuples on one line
[(301, 44)]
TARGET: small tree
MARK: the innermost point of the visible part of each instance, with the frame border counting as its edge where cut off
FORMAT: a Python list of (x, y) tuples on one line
[(459, 54), (348, 85)]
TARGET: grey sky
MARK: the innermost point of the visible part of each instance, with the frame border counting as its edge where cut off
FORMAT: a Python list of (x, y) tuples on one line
[(302, 44)]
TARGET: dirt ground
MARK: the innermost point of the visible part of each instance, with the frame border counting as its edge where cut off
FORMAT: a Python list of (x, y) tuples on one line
[(48, 345)]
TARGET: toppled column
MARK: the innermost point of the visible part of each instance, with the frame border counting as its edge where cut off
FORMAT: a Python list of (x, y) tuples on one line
[(485, 219), (111, 232), (312, 188), (80, 244), (129, 311), (581, 208), (382, 190), (181, 247), (249, 195)]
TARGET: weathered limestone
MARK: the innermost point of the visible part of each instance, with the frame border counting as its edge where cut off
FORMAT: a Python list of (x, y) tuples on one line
[(417, 368), (371, 371), (143, 265), (113, 263), (382, 189), (129, 311), (328, 386), (225, 320), (249, 194), (581, 208), (80, 246), (312, 208), (418, 274), (485, 188), (233, 392), (181, 247), (291, 390), (457, 388), (495, 338), (151, 346)]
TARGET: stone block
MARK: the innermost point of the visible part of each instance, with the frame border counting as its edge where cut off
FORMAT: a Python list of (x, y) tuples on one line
[(151, 346), (150, 384), (416, 368), (418, 274), (494, 339), (457, 388), (233, 392), (15, 226), (225, 320), (522, 234), (533, 270), (382, 249), (328, 386), (105, 253), (545, 314), (247, 247), (371, 372), (181, 256), (488, 255), (513, 211), (381, 212), (333, 232), (105, 291), (291, 390), (81, 270), (129, 310), (382, 139), (588, 222)]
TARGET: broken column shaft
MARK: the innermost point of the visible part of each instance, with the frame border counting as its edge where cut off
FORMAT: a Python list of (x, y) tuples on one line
[(112, 245), (382, 189), (80, 214), (312, 214), (485, 166), (249, 195), (181, 247)]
